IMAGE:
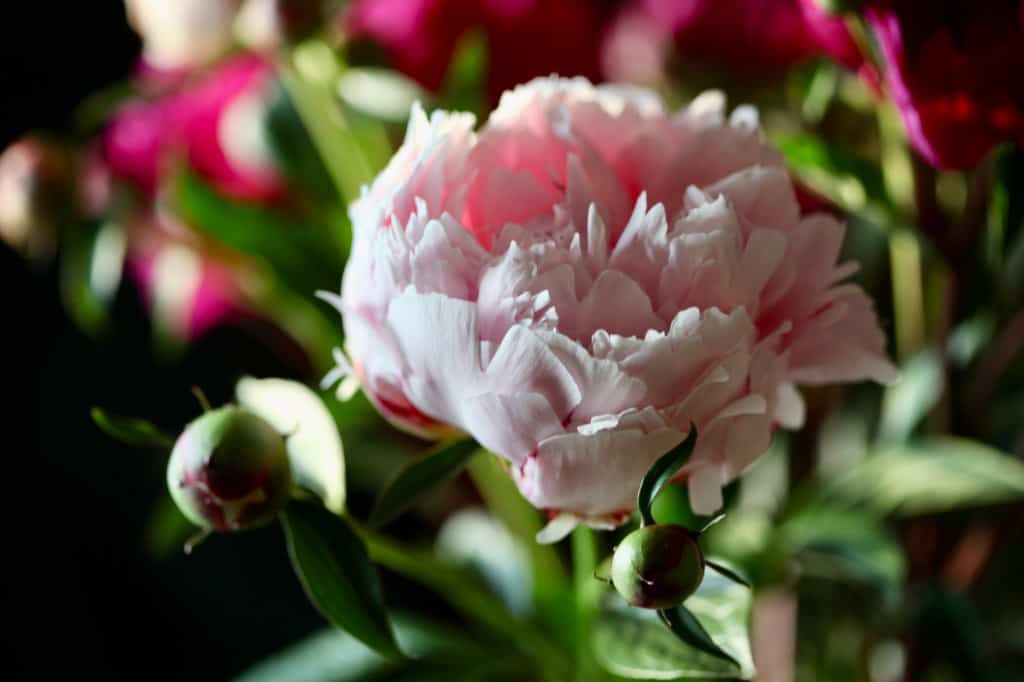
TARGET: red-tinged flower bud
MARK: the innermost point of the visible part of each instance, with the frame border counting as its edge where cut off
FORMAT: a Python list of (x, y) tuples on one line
[(656, 567), (35, 192), (229, 471)]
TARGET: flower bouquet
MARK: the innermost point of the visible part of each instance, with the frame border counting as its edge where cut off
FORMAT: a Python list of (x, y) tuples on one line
[(627, 381)]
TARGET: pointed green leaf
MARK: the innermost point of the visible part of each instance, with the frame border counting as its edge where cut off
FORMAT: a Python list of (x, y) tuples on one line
[(707, 526), (335, 570), (844, 544), (634, 643), (301, 253), (603, 571), (166, 530), (929, 476), (420, 477), (727, 572), (333, 656), (92, 265), (131, 430), (311, 437), (688, 629), (662, 472)]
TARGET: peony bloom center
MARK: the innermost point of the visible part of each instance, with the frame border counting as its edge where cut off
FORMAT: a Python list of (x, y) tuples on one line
[(581, 278)]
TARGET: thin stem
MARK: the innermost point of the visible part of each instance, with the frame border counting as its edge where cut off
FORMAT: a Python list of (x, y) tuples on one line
[(588, 590), (200, 395)]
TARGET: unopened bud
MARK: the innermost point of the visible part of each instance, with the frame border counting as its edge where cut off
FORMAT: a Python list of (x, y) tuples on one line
[(35, 192), (229, 470), (659, 566)]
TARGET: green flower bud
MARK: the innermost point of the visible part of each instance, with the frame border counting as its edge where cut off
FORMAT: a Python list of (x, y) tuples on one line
[(658, 566), (229, 470)]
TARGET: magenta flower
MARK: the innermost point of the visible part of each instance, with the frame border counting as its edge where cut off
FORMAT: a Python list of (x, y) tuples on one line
[(956, 72), (215, 124), (187, 291), (526, 38), (578, 281), (743, 34)]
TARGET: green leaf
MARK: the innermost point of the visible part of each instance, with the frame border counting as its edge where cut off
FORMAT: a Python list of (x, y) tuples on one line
[(841, 174), (909, 400), (166, 530), (335, 570), (476, 540), (311, 80), (929, 476), (132, 431), (688, 629), (302, 255), (293, 148), (92, 264), (464, 87), (420, 477), (380, 93), (634, 643), (728, 573), (333, 656), (312, 441), (661, 472), (844, 544)]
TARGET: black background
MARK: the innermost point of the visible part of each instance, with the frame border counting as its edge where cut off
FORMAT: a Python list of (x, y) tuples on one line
[(87, 598)]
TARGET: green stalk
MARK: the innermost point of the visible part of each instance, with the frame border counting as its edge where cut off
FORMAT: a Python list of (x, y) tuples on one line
[(587, 591), (468, 597), (503, 499)]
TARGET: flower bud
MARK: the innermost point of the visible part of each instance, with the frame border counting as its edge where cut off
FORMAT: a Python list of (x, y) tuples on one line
[(229, 470), (35, 191), (659, 566)]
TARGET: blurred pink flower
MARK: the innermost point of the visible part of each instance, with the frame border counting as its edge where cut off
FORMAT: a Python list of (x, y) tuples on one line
[(216, 124), (579, 280), (956, 72), (743, 34), (188, 291), (526, 38)]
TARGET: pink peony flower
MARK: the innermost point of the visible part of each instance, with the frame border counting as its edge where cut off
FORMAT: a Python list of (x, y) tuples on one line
[(581, 279), (955, 71), (743, 34), (420, 36), (215, 124), (187, 292)]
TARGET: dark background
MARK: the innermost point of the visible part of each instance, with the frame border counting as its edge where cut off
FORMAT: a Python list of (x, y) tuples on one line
[(88, 598)]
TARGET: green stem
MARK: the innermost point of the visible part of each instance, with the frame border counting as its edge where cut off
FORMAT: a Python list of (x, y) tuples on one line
[(467, 596), (500, 494), (588, 593)]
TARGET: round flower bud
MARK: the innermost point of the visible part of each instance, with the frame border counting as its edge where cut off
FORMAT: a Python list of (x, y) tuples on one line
[(656, 567), (35, 192), (229, 470)]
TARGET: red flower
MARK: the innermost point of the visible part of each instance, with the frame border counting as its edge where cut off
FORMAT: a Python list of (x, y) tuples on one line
[(214, 124), (526, 38), (956, 72), (751, 34)]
